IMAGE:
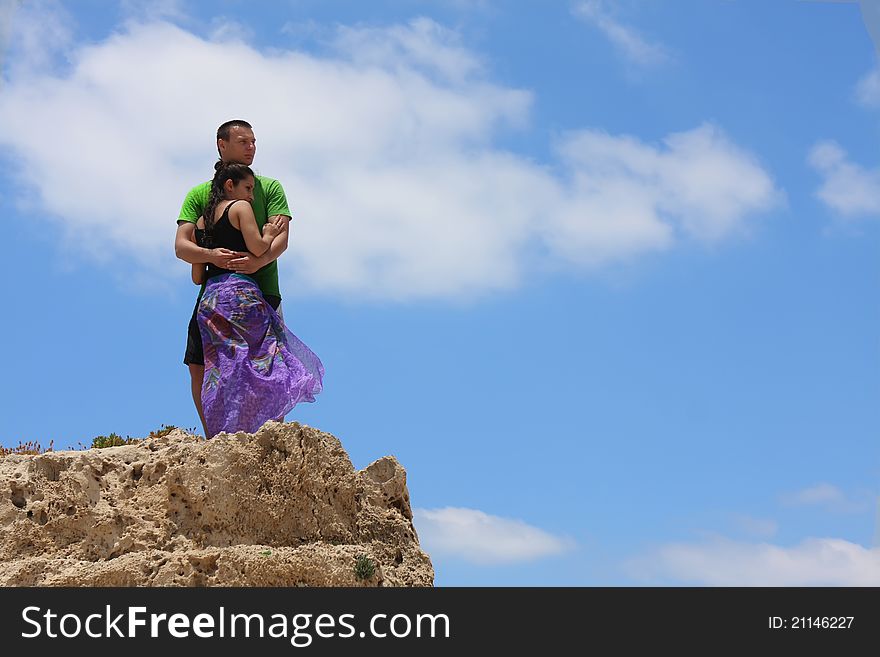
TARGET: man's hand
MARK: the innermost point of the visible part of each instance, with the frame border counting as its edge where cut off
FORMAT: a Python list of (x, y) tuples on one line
[(246, 263), (224, 257)]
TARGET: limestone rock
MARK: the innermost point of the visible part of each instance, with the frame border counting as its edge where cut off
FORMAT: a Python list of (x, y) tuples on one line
[(282, 507)]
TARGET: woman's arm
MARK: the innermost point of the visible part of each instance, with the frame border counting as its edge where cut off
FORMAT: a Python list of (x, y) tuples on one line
[(248, 264), (256, 243)]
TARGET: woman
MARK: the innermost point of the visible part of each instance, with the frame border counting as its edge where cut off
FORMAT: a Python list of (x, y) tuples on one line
[(255, 368)]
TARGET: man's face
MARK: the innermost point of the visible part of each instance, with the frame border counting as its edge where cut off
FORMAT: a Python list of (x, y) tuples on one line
[(241, 147)]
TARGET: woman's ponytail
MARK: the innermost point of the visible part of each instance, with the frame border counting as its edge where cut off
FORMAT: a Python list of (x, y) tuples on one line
[(223, 171)]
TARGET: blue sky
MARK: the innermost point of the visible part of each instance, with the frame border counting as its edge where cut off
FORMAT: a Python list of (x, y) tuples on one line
[(602, 276)]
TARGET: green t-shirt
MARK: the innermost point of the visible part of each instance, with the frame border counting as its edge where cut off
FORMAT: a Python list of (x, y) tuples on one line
[(269, 200)]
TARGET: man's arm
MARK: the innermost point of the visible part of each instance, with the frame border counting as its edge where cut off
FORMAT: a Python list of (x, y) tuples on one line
[(186, 249), (185, 246), (279, 244), (249, 263), (198, 274)]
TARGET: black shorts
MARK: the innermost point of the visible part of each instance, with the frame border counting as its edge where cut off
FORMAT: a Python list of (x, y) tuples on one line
[(195, 353)]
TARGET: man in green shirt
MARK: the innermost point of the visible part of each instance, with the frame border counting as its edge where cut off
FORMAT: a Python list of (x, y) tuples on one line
[(235, 143)]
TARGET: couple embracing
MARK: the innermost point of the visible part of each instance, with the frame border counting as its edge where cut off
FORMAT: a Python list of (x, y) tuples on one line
[(246, 366)]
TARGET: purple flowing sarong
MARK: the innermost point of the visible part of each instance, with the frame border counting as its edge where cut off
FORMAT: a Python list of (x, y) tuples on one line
[(255, 368)]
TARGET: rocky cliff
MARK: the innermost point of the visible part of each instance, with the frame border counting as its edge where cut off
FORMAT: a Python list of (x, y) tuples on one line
[(282, 507)]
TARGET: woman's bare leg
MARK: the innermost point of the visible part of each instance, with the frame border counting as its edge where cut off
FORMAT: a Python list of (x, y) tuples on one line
[(197, 375)]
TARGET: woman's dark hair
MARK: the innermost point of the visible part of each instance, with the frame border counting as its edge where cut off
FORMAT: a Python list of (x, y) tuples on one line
[(223, 171)]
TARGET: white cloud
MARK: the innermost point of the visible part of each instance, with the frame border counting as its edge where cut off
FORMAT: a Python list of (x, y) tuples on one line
[(819, 494), (39, 32), (384, 145), (636, 195), (627, 40), (722, 562), (155, 9), (7, 12), (847, 188), (420, 45), (760, 527), (227, 30), (868, 89), (828, 496), (481, 538)]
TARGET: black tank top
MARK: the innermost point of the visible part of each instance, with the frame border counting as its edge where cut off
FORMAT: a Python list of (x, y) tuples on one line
[(225, 236)]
